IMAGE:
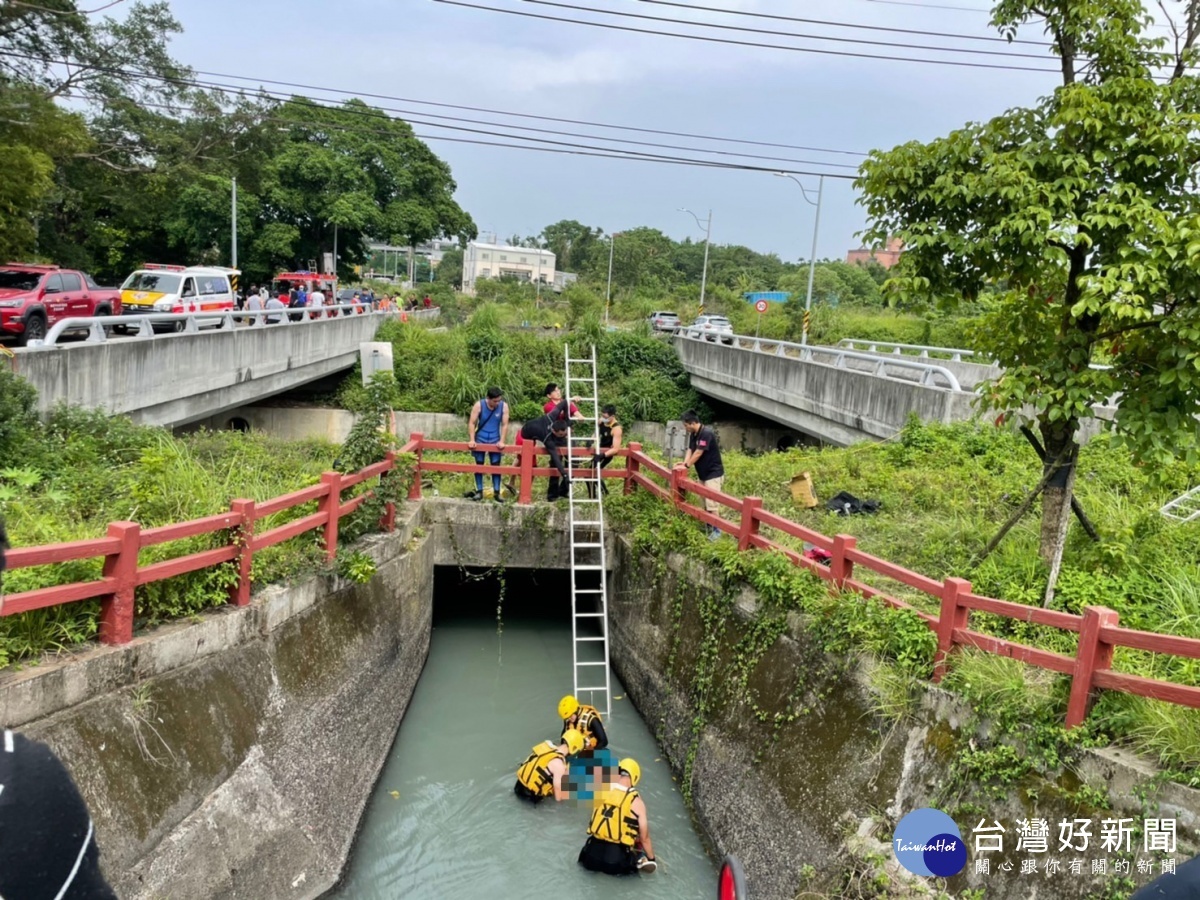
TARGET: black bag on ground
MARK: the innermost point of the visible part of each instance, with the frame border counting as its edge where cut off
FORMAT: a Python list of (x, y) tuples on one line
[(846, 504)]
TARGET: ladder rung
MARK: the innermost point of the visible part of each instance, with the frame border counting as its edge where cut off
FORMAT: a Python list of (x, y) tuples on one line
[(590, 639), (581, 545), (588, 615), (601, 688), (588, 591), (601, 663), (589, 567)]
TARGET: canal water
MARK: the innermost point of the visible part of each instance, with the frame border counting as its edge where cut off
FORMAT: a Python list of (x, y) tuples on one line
[(444, 822)]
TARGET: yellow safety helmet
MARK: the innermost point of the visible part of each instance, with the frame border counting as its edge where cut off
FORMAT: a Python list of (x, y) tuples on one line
[(574, 741), (632, 769), (567, 706)]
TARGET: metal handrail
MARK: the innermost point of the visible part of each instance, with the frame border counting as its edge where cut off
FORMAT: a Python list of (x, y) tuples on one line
[(807, 352), (922, 350), (98, 325)]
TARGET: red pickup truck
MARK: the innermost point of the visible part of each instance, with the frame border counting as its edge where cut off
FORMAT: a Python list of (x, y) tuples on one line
[(33, 298)]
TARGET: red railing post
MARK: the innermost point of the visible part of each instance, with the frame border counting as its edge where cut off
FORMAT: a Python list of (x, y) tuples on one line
[(952, 615), (750, 506), (414, 489), (239, 594), (528, 451), (387, 522), (678, 475), (632, 466), (116, 610), (841, 567), (331, 506), (1092, 655)]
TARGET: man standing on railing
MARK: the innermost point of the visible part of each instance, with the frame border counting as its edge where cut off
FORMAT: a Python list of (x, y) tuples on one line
[(705, 454), (488, 425)]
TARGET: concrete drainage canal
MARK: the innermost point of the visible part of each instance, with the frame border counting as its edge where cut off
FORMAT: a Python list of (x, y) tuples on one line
[(443, 820)]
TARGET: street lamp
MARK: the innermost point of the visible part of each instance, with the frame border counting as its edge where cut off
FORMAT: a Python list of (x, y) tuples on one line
[(707, 234), (612, 243), (812, 259)]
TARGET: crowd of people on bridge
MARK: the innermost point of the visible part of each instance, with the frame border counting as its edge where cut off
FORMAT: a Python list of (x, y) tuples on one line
[(580, 766), (296, 297)]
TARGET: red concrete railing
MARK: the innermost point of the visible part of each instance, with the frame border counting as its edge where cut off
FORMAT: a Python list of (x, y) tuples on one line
[(1090, 668)]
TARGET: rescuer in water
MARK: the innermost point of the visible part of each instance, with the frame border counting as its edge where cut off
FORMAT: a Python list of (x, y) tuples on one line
[(619, 834), (584, 718), (543, 773)]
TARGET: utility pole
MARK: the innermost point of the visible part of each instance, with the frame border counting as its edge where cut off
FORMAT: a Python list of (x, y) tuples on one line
[(812, 259), (707, 236), (612, 243), (233, 212)]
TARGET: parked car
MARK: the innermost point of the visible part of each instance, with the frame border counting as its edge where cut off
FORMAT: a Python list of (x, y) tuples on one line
[(664, 321), (712, 328), (34, 298)]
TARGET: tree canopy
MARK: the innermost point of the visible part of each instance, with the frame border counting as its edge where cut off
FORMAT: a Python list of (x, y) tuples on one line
[(140, 166), (1080, 215)]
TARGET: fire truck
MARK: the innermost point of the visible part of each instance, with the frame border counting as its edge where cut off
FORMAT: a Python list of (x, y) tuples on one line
[(312, 281)]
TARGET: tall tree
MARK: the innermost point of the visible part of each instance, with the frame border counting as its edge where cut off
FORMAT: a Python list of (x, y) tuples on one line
[(571, 243), (1081, 213)]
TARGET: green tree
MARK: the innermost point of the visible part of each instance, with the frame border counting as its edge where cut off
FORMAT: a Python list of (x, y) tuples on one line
[(1081, 214), (450, 269), (571, 243)]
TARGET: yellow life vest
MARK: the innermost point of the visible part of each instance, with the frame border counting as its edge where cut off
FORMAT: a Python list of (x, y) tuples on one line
[(583, 723), (534, 773), (613, 819)]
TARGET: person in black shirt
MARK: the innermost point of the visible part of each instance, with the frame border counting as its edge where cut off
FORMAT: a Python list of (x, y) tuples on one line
[(611, 434), (705, 454), (551, 430)]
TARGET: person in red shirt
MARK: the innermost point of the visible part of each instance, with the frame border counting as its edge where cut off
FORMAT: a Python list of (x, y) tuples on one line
[(428, 303), (554, 398)]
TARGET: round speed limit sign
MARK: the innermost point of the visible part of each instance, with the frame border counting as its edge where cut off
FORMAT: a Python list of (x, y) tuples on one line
[(761, 306)]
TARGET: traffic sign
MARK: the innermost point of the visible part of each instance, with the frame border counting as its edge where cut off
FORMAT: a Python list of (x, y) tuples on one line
[(761, 306)]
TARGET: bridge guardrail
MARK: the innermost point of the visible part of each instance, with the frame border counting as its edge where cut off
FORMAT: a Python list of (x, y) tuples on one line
[(98, 326), (922, 351), (1090, 669), (929, 373)]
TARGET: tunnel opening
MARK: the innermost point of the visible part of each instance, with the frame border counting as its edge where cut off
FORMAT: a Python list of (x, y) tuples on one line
[(443, 820)]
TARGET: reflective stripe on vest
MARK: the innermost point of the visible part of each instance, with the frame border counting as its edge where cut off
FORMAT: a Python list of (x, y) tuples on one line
[(534, 773), (613, 819)]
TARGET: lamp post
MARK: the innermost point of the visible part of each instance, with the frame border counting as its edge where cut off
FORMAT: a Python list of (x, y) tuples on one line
[(812, 259), (612, 243), (233, 224), (707, 234)]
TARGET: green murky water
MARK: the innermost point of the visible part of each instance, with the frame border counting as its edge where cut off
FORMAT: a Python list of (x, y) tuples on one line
[(457, 830)]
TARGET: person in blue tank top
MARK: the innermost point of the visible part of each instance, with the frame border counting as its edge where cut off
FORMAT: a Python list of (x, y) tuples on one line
[(488, 425)]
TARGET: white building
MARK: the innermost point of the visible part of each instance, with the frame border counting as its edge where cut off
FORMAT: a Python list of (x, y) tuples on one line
[(497, 261)]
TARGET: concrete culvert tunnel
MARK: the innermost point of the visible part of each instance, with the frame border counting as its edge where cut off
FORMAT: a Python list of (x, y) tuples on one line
[(443, 820)]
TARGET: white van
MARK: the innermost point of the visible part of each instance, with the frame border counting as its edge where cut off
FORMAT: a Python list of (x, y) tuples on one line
[(177, 289)]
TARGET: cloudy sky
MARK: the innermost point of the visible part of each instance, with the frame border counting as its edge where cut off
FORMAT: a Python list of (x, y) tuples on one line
[(422, 50)]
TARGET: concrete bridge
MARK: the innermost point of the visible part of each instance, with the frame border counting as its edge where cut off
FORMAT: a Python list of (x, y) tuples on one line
[(836, 394), (174, 379)]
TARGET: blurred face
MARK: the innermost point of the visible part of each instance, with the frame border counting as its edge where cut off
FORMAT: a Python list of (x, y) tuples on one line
[(493, 402), (555, 395), (692, 427)]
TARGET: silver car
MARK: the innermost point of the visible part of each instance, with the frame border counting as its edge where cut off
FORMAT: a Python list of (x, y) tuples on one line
[(712, 328), (664, 321)]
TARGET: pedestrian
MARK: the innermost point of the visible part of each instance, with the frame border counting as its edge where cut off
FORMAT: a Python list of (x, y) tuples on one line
[(49, 847), (275, 303), (584, 719), (553, 395), (254, 304), (488, 425), (611, 435), (705, 454), (543, 774), (264, 294), (428, 302), (316, 300), (619, 833), (551, 431), (290, 299)]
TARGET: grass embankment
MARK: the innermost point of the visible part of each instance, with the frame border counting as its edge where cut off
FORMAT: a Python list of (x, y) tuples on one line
[(69, 478), (945, 490)]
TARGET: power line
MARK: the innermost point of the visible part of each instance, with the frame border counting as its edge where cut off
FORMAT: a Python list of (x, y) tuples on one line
[(775, 17), (66, 12), (756, 44), (374, 96), (560, 147), (808, 37)]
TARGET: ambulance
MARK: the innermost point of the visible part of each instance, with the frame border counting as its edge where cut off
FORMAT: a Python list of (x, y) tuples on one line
[(157, 288)]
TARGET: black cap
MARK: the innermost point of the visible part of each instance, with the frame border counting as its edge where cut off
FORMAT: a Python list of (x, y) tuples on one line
[(47, 842)]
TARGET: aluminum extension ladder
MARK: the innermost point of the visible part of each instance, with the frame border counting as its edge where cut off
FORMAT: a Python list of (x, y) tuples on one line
[(589, 575), (1185, 507)]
